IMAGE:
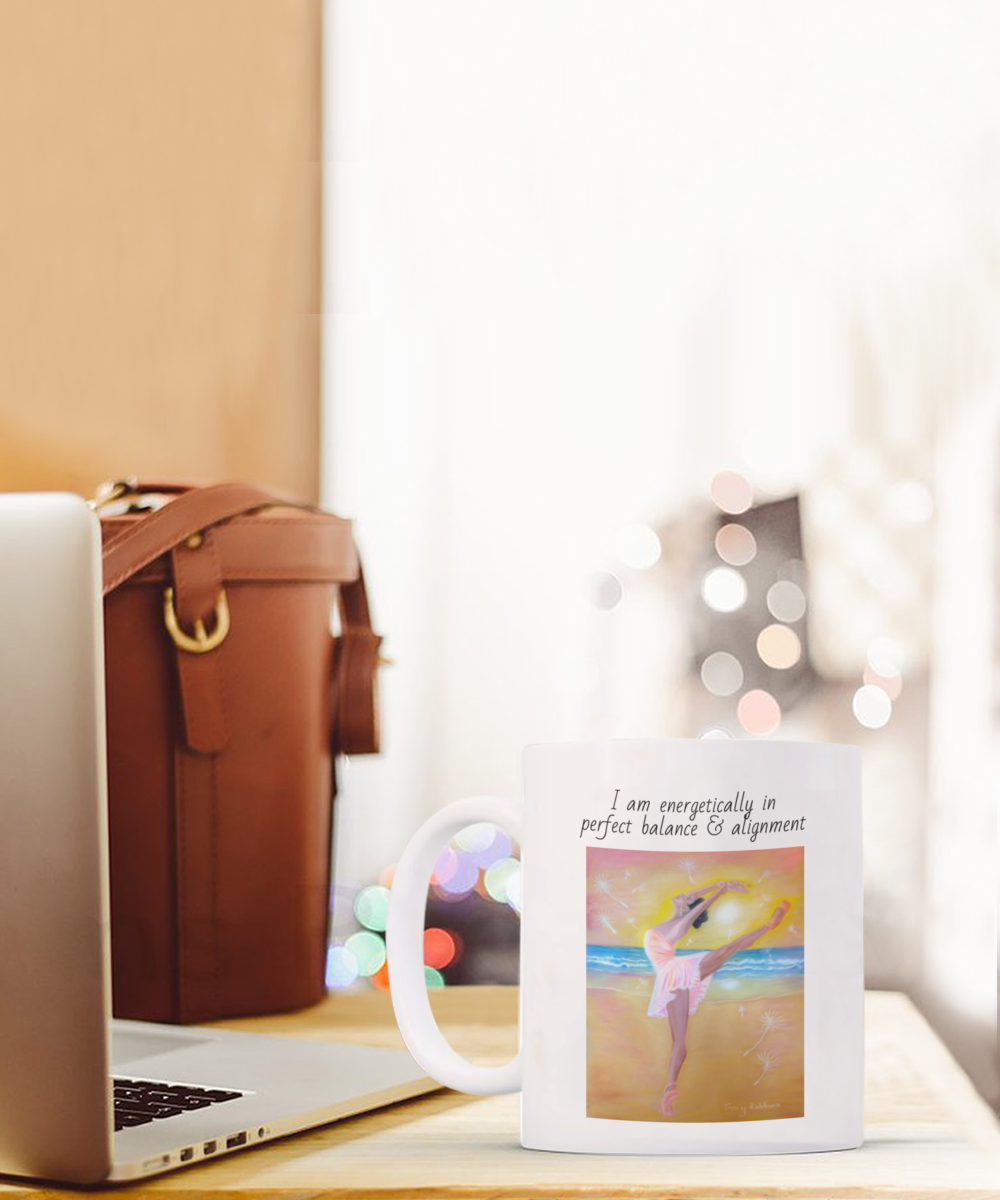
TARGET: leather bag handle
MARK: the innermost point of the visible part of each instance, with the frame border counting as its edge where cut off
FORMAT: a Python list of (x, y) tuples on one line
[(355, 715), (188, 513), (354, 724)]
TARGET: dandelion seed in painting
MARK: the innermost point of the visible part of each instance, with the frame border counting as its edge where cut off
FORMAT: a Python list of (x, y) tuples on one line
[(742, 1009), (765, 898), (793, 928), (602, 885), (770, 1020), (764, 875), (687, 865), (769, 1062), (605, 920)]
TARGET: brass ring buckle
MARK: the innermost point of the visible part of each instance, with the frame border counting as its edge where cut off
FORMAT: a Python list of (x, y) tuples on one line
[(202, 641)]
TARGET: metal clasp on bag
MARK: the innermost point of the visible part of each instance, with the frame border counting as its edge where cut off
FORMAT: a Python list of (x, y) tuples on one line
[(112, 490), (202, 642)]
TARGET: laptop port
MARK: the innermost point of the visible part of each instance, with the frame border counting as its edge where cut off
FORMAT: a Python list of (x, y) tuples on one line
[(238, 1139), (210, 1147), (187, 1154)]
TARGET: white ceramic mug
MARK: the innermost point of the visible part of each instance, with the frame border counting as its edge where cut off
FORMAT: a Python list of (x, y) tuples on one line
[(692, 976)]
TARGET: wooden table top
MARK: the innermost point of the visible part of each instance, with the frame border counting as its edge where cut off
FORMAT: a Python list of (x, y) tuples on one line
[(928, 1134)]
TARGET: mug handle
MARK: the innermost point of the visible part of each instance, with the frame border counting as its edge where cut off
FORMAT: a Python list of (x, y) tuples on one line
[(405, 947)]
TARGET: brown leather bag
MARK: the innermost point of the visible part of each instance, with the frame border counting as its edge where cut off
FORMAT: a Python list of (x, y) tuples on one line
[(227, 698)]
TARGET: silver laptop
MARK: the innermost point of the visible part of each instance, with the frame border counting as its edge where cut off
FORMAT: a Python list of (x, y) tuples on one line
[(83, 1098)]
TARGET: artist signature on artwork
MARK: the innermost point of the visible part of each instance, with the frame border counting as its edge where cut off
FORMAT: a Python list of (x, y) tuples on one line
[(756, 1106)]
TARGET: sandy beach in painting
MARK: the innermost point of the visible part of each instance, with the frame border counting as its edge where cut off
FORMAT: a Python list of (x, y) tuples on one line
[(627, 1051)]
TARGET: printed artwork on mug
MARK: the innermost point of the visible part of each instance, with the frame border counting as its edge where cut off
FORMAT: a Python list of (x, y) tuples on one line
[(695, 975)]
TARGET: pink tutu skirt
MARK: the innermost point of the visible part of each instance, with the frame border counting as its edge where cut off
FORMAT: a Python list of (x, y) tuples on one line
[(673, 973)]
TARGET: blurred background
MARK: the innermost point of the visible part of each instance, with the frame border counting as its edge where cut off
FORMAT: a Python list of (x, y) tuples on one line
[(655, 350)]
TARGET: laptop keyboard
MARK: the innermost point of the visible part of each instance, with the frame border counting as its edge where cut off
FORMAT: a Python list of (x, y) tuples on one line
[(139, 1101)]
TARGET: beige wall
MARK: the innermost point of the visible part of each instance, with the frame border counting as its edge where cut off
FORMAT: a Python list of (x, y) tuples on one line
[(159, 241)]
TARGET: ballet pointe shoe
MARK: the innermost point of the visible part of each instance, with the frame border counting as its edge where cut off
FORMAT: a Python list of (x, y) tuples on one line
[(670, 1094), (778, 915)]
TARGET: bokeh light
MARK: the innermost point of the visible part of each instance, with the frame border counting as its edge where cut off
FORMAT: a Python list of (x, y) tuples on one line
[(499, 847), (445, 866), (779, 647), (480, 858), (872, 706), (721, 673), (371, 907), (736, 545), (637, 546), (368, 950), (433, 977), (462, 881), (439, 948), (715, 735), (724, 589), (604, 590), (885, 656), (341, 967), (497, 877), (758, 712), (786, 601), (475, 837), (731, 492)]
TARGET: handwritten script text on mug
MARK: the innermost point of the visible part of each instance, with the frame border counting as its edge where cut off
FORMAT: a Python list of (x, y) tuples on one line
[(716, 812)]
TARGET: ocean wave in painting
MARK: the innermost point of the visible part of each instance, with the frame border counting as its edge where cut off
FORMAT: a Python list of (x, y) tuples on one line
[(759, 963)]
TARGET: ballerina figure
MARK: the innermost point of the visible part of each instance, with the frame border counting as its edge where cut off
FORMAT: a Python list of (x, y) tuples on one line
[(682, 981)]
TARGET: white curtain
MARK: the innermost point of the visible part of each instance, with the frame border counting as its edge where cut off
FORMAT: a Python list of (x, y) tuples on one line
[(579, 257)]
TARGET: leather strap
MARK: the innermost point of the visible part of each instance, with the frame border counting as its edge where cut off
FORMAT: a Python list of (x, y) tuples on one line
[(355, 726), (187, 514), (355, 709), (197, 584), (279, 545)]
